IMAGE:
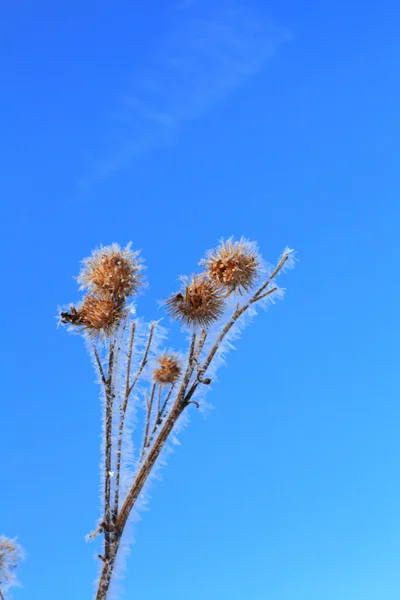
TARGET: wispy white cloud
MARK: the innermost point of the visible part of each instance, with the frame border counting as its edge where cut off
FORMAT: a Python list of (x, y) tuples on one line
[(209, 50)]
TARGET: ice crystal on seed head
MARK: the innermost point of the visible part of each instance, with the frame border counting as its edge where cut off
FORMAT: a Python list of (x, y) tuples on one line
[(10, 553), (97, 315), (197, 303), (168, 371), (233, 266), (112, 270)]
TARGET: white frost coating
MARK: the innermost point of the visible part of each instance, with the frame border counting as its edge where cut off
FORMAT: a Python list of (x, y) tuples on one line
[(291, 261)]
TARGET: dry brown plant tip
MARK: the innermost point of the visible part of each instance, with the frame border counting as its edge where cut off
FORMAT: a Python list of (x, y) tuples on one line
[(198, 303), (112, 270), (10, 553), (233, 266), (97, 315), (169, 370)]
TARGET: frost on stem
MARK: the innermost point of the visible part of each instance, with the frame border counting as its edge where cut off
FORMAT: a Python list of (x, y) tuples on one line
[(10, 554), (143, 383)]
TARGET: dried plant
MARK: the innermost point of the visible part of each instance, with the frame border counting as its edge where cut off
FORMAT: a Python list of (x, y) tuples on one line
[(136, 374), (10, 554)]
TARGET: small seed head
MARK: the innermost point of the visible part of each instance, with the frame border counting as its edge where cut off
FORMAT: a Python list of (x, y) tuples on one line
[(168, 371), (197, 303), (233, 266)]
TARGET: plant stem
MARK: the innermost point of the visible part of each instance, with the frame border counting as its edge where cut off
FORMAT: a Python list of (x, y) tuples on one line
[(107, 450), (122, 420), (148, 419)]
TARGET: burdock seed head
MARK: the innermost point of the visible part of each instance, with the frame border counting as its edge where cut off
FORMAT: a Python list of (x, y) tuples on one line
[(113, 271), (198, 302), (10, 553), (169, 369), (98, 315), (233, 266)]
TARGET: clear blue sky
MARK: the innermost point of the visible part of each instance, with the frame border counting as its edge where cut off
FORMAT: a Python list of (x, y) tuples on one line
[(172, 126)]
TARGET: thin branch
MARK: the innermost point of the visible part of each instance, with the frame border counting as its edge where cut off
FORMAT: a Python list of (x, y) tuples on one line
[(99, 365), (108, 449), (122, 419), (200, 344), (95, 533), (145, 357), (148, 420), (159, 400), (160, 414), (271, 291)]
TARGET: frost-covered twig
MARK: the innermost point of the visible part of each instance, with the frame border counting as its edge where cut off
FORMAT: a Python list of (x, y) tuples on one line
[(108, 449), (122, 419), (145, 357), (148, 420)]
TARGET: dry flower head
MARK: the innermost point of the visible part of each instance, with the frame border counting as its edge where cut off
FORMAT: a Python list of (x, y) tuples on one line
[(168, 371), (198, 302), (10, 552), (233, 266), (113, 271), (97, 315)]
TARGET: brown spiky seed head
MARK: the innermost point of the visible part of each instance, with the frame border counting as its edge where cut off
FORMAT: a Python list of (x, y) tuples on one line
[(10, 552), (98, 315), (169, 369), (112, 270), (197, 303), (233, 266)]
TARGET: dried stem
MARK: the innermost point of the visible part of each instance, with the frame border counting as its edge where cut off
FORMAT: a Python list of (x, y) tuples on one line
[(107, 450), (99, 365), (271, 291), (148, 420), (122, 420), (160, 413), (159, 400), (144, 360)]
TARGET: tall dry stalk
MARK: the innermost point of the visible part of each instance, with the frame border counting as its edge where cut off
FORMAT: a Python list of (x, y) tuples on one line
[(134, 373)]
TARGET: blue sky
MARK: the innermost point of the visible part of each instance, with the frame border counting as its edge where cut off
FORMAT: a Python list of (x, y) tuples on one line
[(171, 125)]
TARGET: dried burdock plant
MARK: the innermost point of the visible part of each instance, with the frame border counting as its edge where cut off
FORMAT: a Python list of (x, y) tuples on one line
[(137, 374), (10, 555)]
